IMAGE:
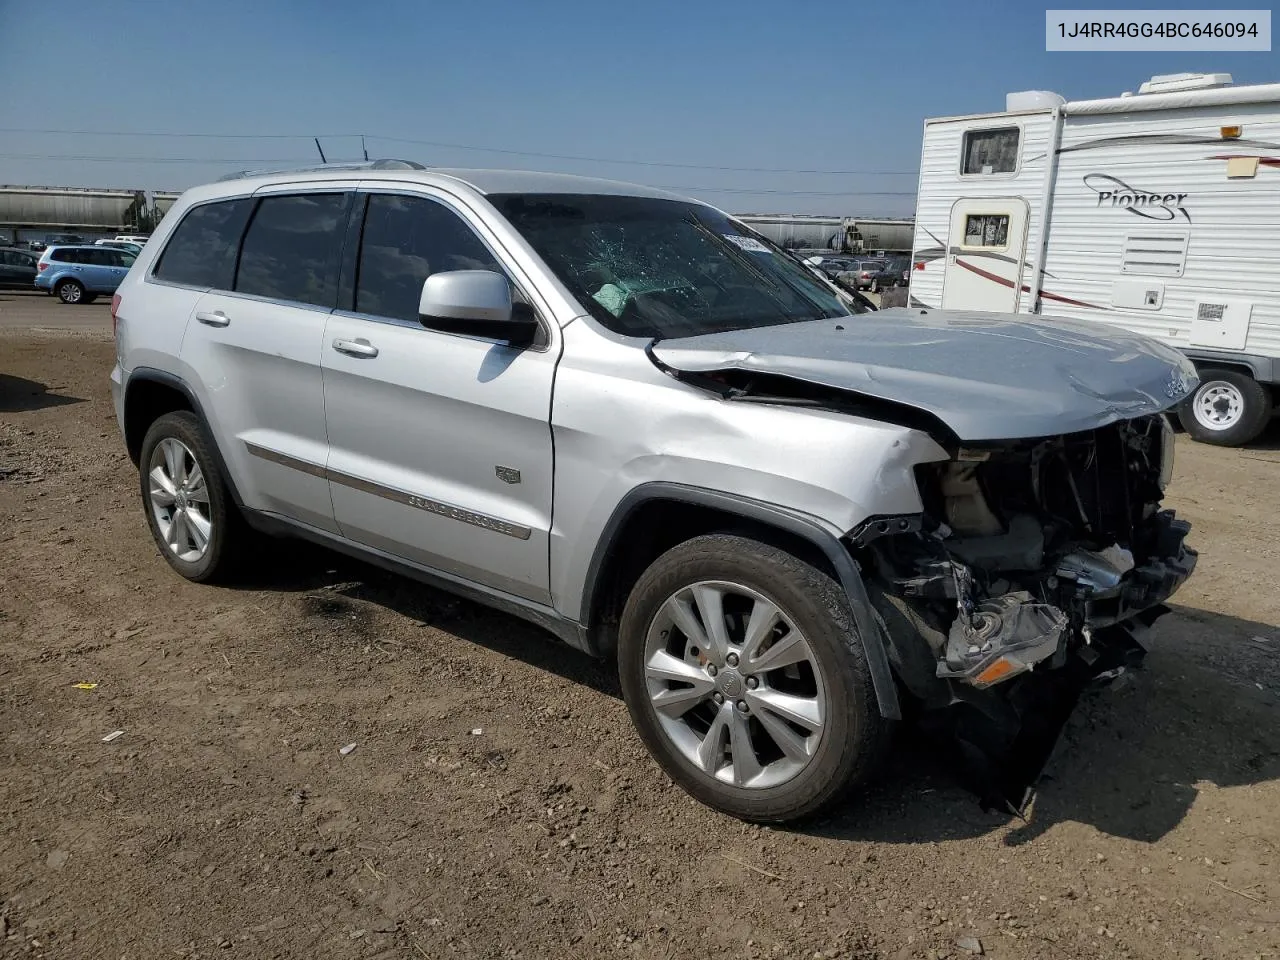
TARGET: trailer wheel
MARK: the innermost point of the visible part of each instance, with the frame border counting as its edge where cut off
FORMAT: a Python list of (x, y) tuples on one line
[(1228, 409)]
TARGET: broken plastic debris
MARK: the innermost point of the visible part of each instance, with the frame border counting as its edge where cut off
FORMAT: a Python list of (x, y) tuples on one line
[(347, 749), (85, 686), (113, 735), (477, 731), (1261, 639)]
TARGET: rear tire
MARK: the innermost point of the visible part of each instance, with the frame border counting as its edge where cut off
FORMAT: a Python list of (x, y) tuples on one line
[(1229, 408), (193, 519), (727, 747), (70, 292)]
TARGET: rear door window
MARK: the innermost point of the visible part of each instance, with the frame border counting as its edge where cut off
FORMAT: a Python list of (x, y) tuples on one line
[(291, 248), (202, 250), (405, 240)]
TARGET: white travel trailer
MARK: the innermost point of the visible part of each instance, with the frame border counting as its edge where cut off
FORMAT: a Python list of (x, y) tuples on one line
[(1157, 212)]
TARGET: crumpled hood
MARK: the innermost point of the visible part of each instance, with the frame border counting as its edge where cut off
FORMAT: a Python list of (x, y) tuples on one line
[(987, 376)]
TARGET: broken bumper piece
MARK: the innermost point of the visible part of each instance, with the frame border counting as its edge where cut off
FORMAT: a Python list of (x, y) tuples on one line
[(1151, 583), (999, 638)]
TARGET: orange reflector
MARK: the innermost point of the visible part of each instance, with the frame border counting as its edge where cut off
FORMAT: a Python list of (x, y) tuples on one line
[(997, 671), (1231, 133)]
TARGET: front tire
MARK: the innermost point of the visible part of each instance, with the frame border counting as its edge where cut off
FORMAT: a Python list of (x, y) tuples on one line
[(746, 679), (189, 509), (1229, 408), (70, 292)]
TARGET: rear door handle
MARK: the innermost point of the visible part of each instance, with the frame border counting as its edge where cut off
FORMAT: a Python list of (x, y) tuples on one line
[(215, 319), (355, 348)]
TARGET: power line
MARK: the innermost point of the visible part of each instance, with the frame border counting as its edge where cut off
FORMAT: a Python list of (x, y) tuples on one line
[(98, 159), (793, 193), (443, 145), (212, 136)]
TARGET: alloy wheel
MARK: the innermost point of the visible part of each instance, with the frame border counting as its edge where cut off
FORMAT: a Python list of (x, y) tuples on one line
[(734, 684), (179, 500)]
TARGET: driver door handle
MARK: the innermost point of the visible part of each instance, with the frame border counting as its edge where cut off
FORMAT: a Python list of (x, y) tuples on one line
[(355, 348), (215, 319)]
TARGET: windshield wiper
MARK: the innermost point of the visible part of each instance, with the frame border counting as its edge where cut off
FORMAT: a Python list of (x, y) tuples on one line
[(783, 278), (740, 257)]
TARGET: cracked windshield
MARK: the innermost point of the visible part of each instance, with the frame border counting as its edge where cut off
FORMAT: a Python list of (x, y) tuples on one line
[(665, 268)]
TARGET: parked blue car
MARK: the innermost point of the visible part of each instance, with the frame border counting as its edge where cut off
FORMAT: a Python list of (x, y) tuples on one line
[(78, 274)]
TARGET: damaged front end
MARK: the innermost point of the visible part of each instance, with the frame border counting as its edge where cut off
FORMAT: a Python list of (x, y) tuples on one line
[(1035, 568)]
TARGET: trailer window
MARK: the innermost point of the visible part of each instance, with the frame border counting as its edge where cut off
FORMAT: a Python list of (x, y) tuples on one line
[(991, 151), (986, 230)]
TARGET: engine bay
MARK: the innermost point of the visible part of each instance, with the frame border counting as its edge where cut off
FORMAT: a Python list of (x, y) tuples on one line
[(1034, 563), (1027, 549)]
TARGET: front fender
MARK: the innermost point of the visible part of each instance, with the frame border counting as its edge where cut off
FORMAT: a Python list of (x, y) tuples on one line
[(813, 531)]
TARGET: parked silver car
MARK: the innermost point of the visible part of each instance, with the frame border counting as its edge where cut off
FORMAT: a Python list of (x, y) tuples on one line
[(618, 414), (863, 274)]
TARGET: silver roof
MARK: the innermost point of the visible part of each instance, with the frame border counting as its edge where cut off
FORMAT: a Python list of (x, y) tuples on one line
[(483, 181), (528, 181)]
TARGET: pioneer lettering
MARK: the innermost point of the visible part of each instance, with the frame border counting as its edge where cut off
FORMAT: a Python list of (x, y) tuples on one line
[(1114, 192)]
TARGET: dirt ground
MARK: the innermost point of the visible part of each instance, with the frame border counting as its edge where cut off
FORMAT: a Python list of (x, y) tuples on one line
[(497, 803)]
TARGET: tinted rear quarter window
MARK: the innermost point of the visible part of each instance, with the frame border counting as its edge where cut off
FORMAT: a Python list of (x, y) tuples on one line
[(202, 250), (290, 250)]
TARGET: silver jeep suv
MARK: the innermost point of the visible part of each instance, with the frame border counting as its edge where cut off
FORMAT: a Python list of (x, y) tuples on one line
[(625, 416)]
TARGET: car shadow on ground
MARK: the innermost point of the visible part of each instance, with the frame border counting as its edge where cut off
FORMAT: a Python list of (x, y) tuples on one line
[(19, 395), (1129, 760), (297, 567)]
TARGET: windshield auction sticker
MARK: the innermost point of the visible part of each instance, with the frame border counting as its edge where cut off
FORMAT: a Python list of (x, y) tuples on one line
[(746, 243), (1117, 30)]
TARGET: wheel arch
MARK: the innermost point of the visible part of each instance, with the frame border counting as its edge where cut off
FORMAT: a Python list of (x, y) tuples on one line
[(655, 516), (148, 395), (1260, 369)]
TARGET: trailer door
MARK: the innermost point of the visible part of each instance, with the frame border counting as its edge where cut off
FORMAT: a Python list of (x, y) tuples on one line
[(986, 247)]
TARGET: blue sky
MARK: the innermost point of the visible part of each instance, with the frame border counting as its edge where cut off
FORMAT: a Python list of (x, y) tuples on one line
[(709, 84)]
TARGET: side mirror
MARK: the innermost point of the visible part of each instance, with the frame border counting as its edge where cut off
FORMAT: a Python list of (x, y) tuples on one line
[(475, 303)]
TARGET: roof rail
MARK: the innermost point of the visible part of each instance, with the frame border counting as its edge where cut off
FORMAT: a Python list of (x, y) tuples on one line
[(386, 164)]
